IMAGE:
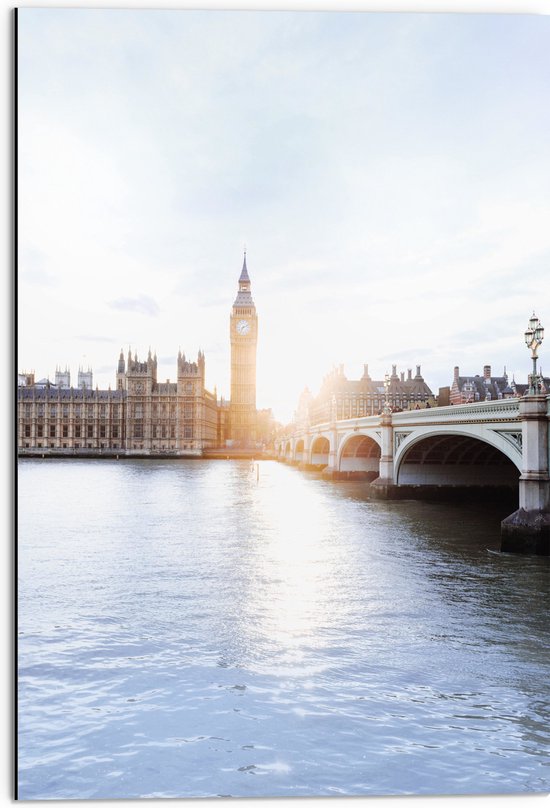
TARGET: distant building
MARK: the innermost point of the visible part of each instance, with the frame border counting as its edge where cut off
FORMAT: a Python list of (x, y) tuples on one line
[(25, 379), (266, 427), (444, 396), (63, 378), (305, 404), (543, 385), (341, 398), (85, 379), (141, 416), (469, 389)]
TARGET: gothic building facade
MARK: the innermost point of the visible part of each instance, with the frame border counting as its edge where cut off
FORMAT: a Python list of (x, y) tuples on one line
[(142, 416), (485, 387), (340, 398)]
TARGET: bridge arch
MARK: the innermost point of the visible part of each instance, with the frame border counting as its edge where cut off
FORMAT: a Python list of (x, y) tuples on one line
[(320, 449), (457, 458), (299, 451), (359, 451)]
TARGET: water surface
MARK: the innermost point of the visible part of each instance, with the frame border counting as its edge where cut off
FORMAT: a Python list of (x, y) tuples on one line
[(186, 630)]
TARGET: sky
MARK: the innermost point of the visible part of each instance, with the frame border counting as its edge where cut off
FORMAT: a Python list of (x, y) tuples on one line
[(389, 175)]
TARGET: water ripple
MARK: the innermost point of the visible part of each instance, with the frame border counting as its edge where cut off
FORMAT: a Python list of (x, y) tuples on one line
[(187, 631)]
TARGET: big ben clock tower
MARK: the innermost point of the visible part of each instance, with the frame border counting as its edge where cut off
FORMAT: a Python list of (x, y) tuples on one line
[(244, 336)]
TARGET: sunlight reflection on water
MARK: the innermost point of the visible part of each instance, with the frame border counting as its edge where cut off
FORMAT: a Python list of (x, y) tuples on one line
[(187, 630)]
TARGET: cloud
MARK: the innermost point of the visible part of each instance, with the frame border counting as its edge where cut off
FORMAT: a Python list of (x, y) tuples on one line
[(32, 268), (388, 172), (107, 369), (143, 304), (92, 338), (409, 353), (38, 277)]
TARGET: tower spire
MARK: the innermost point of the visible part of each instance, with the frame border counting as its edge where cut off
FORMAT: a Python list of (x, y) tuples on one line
[(244, 272), (244, 298)]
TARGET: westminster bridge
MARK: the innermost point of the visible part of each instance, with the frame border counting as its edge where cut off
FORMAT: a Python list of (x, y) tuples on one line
[(487, 445)]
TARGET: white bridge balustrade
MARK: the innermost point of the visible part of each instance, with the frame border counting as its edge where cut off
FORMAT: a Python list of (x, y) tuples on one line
[(489, 445)]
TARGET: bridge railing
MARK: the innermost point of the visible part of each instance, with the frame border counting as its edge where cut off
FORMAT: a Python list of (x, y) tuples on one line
[(498, 410)]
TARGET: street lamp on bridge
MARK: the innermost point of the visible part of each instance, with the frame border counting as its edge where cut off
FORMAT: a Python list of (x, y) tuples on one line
[(533, 338), (387, 408)]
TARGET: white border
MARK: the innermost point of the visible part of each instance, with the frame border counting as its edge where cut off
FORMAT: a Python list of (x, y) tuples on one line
[(6, 399)]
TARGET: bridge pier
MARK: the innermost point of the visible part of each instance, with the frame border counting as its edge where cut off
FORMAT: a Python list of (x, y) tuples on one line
[(309, 467), (527, 530), (384, 487)]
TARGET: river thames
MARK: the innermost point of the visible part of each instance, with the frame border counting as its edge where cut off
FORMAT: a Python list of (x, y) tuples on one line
[(193, 629)]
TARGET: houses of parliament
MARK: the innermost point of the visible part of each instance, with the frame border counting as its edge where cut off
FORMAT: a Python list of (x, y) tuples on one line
[(142, 416)]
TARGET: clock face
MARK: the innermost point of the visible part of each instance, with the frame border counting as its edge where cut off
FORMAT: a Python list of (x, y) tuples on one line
[(243, 327)]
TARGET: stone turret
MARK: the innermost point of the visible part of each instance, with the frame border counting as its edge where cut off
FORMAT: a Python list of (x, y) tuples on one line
[(191, 375), (121, 372), (63, 378), (140, 377), (85, 379)]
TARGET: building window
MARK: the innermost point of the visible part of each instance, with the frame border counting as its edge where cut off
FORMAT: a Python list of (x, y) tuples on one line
[(53, 411), (188, 432), (65, 431), (90, 432), (115, 431), (65, 410), (138, 430), (39, 431), (102, 431), (27, 430), (172, 431), (77, 431)]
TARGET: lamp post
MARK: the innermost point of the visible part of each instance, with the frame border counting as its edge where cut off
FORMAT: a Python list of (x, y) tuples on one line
[(387, 408), (533, 338)]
